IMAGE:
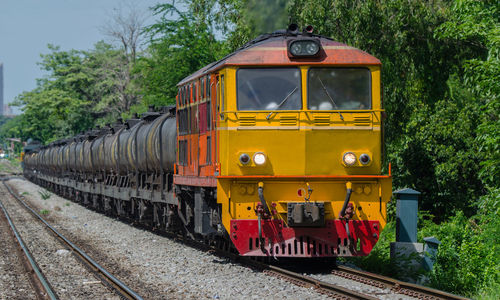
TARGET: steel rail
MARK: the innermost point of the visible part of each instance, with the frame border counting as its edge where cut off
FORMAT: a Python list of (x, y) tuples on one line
[(332, 290), (47, 289), (397, 286), (119, 286)]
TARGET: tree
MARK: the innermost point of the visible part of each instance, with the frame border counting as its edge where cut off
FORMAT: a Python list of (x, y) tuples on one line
[(475, 24), (126, 26), (240, 21), (50, 114), (81, 89), (431, 129), (178, 47)]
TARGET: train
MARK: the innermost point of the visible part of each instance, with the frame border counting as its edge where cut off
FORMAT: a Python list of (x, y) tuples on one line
[(275, 150)]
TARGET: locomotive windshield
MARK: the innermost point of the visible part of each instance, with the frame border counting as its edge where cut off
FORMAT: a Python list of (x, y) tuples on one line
[(269, 89), (338, 89)]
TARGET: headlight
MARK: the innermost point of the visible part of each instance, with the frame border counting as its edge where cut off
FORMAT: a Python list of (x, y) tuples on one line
[(244, 159), (304, 48), (296, 48), (259, 158), (364, 158), (312, 48), (349, 158)]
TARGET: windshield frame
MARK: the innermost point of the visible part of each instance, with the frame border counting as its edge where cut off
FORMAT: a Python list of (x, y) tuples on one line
[(370, 88), (298, 89)]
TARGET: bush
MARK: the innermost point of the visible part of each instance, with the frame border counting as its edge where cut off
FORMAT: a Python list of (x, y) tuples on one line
[(468, 259), (379, 260)]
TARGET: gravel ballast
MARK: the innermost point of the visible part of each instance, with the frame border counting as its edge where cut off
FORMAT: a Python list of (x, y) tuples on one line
[(14, 281), (156, 267), (67, 276)]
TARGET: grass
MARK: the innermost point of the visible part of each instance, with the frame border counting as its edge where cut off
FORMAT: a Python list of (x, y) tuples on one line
[(9, 165), (490, 293), (44, 194), (25, 193), (44, 212)]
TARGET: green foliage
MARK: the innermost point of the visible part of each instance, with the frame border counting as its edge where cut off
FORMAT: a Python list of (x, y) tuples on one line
[(44, 212), (468, 259), (51, 113), (476, 24), (492, 292), (438, 153), (81, 89), (179, 46), (44, 194), (379, 260)]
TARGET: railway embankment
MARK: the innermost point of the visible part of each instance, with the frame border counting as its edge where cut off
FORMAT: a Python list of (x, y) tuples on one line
[(154, 266)]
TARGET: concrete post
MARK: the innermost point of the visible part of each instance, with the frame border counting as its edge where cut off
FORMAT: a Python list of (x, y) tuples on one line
[(430, 248), (406, 252), (406, 215)]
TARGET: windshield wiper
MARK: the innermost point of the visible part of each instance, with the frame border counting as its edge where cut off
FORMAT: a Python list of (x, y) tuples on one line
[(331, 99), (282, 102), (250, 87)]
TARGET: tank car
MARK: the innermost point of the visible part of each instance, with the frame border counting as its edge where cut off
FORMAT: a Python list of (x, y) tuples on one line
[(276, 149)]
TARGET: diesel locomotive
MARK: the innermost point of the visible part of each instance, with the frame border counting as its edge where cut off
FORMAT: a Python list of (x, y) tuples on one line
[(275, 149)]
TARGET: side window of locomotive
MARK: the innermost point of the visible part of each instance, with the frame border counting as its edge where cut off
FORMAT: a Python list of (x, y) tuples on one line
[(222, 109), (183, 152), (269, 89), (209, 151), (339, 89), (209, 107)]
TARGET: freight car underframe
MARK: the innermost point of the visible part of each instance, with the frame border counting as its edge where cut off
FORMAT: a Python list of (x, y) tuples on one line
[(190, 211), (194, 212)]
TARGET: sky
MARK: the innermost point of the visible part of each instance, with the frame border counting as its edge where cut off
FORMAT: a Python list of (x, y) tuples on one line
[(28, 26)]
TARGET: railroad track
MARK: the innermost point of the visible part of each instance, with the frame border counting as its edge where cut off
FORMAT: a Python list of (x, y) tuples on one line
[(39, 283), (336, 291), (43, 288), (332, 290), (396, 286), (322, 287)]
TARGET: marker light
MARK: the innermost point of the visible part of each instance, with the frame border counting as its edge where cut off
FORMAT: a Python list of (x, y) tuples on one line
[(349, 158), (364, 158), (304, 48), (259, 158), (244, 159)]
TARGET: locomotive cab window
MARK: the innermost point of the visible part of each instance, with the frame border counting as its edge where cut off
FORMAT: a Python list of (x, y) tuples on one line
[(269, 89), (338, 89)]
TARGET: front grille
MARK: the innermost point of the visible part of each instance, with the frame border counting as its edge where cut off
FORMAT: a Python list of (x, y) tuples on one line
[(322, 120), (288, 120), (247, 121), (362, 121)]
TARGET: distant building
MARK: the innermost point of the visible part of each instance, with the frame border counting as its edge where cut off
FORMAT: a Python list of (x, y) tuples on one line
[(7, 110), (1, 89)]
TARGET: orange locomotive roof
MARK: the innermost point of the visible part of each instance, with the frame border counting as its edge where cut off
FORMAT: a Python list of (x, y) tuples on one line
[(271, 50)]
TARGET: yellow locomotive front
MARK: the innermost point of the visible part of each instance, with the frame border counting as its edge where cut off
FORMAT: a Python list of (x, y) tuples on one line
[(299, 148)]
